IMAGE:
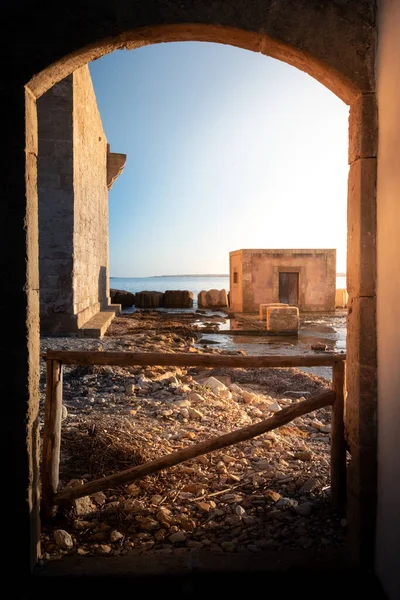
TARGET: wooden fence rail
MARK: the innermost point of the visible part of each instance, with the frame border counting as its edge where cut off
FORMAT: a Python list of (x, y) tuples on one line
[(130, 359), (52, 426)]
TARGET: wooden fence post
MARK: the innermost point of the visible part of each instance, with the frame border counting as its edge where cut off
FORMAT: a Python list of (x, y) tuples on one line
[(338, 442), (51, 437)]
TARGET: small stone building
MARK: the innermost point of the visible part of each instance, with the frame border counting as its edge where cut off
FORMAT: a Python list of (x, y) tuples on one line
[(75, 172), (302, 278)]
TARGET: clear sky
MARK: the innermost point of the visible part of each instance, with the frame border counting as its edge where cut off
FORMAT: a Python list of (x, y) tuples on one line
[(226, 149)]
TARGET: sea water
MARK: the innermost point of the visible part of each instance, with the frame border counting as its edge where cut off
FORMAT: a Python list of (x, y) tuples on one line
[(195, 284)]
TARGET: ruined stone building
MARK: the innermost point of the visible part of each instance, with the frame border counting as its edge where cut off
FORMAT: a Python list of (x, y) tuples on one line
[(350, 46), (302, 278), (75, 172)]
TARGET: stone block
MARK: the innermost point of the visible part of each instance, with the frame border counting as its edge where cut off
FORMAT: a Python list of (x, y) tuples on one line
[(361, 228), (122, 297), (263, 309), (363, 127), (341, 298), (283, 320), (212, 299), (148, 299), (178, 299)]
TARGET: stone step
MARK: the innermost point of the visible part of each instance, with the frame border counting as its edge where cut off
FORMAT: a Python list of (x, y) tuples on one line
[(99, 323)]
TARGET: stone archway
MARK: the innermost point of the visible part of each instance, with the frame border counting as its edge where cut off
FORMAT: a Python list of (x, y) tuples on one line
[(329, 40)]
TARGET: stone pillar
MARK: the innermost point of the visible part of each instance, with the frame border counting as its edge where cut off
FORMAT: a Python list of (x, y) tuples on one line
[(20, 349), (361, 381)]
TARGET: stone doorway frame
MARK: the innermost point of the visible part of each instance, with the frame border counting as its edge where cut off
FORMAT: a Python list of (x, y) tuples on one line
[(356, 90)]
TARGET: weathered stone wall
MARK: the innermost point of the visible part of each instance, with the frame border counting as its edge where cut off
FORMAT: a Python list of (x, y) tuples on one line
[(388, 293), (73, 205), (260, 277), (56, 207), (90, 278)]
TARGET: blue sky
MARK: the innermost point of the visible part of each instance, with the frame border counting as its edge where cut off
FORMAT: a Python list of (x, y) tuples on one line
[(226, 149)]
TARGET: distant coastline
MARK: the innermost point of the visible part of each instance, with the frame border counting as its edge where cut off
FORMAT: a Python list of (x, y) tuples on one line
[(193, 275)]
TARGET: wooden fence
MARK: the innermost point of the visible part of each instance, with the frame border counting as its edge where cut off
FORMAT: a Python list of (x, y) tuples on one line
[(55, 359)]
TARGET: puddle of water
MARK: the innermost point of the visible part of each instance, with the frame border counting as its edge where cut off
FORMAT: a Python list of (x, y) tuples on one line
[(311, 332)]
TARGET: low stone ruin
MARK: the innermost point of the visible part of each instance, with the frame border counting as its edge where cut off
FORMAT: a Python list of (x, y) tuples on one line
[(283, 320), (212, 299)]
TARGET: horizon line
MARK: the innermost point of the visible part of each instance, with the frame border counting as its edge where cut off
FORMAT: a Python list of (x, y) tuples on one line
[(338, 273)]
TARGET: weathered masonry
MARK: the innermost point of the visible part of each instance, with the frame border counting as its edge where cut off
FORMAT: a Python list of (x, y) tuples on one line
[(75, 172), (302, 278)]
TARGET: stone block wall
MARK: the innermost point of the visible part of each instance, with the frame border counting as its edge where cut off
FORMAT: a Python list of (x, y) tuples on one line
[(56, 207), (90, 277), (73, 183)]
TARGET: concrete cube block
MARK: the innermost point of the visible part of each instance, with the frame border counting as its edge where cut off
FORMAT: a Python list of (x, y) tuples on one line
[(283, 320), (263, 309), (341, 298)]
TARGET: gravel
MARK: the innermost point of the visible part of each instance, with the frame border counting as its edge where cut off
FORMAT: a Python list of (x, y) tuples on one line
[(270, 492)]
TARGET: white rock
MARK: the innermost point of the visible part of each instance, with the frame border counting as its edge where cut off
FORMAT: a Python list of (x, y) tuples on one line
[(129, 389), (183, 403), (195, 414), (63, 539), (133, 490), (239, 510), (64, 412), (274, 407), (256, 412), (115, 536), (249, 397), (83, 505), (215, 385), (325, 429), (228, 459), (235, 389), (195, 397)]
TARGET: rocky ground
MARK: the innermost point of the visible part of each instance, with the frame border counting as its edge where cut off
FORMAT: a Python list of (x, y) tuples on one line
[(271, 492)]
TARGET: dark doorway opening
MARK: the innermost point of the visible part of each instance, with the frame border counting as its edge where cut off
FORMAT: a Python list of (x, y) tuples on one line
[(289, 288)]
